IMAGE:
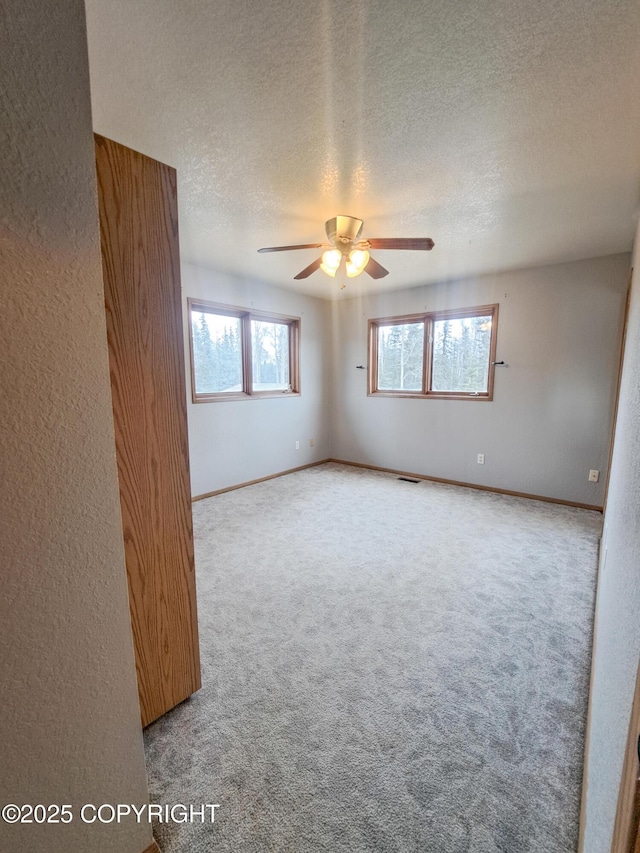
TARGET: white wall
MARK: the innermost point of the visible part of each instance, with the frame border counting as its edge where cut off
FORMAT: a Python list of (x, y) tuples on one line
[(617, 639), (550, 420), (236, 441), (69, 722)]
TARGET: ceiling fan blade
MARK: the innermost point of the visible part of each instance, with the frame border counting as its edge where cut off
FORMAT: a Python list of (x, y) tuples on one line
[(288, 248), (375, 269), (306, 272), (416, 244)]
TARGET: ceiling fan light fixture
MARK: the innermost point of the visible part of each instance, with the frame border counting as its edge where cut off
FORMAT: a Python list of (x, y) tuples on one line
[(331, 261), (349, 254), (357, 261)]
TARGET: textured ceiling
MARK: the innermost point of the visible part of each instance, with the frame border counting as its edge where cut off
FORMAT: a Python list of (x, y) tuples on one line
[(508, 131)]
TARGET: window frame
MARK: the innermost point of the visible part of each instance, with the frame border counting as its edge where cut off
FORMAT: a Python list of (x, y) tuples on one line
[(429, 318), (246, 316)]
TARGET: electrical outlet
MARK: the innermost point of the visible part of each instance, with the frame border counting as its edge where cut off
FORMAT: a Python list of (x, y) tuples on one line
[(594, 476), (310, 442), (297, 445), (480, 458)]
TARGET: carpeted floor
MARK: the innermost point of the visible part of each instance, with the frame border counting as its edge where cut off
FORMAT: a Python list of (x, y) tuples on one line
[(386, 666)]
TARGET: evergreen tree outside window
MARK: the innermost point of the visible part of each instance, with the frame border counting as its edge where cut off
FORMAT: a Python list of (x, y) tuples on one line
[(237, 354), (444, 354), (217, 353), (461, 354)]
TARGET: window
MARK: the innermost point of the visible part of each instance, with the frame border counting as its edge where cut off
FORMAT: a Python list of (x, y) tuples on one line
[(238, 354), (443, 354)]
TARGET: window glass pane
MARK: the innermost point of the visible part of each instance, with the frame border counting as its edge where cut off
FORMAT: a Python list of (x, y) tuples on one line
[(217, 353), (461, 354), (400, 357), (270, 356)]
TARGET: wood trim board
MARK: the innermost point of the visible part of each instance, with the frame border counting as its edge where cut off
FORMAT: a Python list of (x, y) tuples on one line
[(625, 323), (494, 489), (625, 830), (152, 848), (141, 270), (259, 480), (402, 474)]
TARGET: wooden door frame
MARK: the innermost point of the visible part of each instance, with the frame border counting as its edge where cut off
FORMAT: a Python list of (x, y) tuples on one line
[(622, 800), (625, 323), (625, 830)]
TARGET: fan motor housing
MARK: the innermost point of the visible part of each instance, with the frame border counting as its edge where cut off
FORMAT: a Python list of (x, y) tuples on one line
[(343, 231)]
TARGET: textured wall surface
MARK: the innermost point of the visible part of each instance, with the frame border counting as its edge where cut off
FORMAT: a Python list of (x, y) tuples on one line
[(69, 727), (237, 441), (617, 639), (550, 420)]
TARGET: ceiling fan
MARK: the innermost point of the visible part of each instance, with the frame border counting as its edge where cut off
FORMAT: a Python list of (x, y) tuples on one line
[(346, 251)]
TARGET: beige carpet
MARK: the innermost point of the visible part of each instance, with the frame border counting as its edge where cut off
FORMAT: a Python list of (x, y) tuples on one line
[(386, 666)]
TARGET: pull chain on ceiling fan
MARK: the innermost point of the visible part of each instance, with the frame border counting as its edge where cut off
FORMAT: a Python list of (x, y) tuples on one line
[(346, 251)]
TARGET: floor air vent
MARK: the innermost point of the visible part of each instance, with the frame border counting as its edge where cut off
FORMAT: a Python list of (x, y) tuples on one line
[(408, 480)]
